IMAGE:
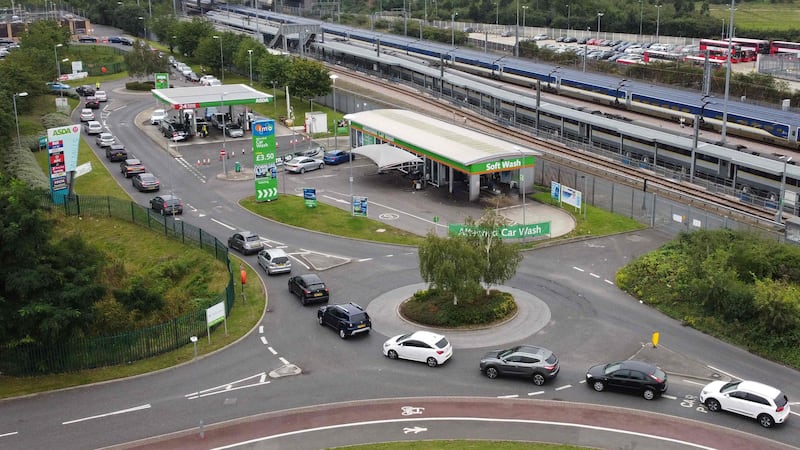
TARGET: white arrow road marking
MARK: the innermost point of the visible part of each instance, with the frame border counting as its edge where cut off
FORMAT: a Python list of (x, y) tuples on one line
[(284, 361), (223, 224), (9, 434), (99, 416), (415, 430), (227, 387)]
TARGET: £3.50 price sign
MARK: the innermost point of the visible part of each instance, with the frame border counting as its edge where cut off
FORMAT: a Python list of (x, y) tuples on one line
[(266, 181)]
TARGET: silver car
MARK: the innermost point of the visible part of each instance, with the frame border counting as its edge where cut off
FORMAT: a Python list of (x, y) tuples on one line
[(526, 361), (303, 164), (106, 140), (274, 260)]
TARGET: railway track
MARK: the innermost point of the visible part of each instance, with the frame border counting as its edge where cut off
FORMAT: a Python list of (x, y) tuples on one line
[(575, 158)]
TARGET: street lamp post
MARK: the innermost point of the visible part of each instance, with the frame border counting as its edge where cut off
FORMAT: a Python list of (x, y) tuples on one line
[(250, 57), (641, 15), (58, 66), (524, 8), (221, 58), (144, 24), (724, 131), (779, 215), (619, 86), (335, 124), (16, 116), (599, 15), (516, 33), (522, 181), (274, 99), (453, 28), (224, 138), (658, 21), (497, 13), (569, 16), (193, 340), (696, 132)]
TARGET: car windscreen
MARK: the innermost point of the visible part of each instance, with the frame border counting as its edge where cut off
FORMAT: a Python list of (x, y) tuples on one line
[(660, 374), (442, 343), (551, 359)]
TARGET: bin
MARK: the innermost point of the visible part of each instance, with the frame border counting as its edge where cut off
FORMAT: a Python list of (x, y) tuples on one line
[(237, 167)]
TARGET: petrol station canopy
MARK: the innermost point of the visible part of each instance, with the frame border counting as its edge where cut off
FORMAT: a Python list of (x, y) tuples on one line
[(211, 96)]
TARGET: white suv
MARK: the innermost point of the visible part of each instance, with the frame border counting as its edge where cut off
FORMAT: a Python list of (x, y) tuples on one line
[(748, 398)]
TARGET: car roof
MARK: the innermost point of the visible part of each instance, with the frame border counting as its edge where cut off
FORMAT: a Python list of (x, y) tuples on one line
[(247, 233), (147, 175), (94, 122), (105, 133), (351, 307), (311, 278), (426, 336), (275, 251), (168, 197), (759, 388), (132, 161), (531, 349), (638, 365), (86, 110), (117, 147)]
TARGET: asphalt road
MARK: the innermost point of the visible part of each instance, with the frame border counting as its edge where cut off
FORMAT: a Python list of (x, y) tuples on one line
[(592, 321)]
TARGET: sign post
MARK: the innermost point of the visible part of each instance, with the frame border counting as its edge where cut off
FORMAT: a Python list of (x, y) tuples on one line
[(310, 197), (359, 206), (264, 164), (162, 80), (62, 147)]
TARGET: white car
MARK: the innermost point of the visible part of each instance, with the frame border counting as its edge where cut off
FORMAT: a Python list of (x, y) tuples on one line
[(157, 116), (424, 346), (105, 140), (101, 96), (215, 82), (93, 127), (87, 115), (764, 403), (205, 79)]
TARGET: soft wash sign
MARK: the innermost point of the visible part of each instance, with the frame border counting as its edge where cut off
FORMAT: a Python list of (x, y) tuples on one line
[(264, 151), (62, 148), (502, 165)]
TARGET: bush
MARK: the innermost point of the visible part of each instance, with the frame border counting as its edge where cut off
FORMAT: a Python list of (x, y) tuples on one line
[(435, 308), (140, 85)]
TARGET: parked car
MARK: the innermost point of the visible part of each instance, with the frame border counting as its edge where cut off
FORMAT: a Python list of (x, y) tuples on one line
[(87, 115), (57, 86), (193, 77), (309, 288), (157, 116), (93, 127), (424, 346), (527, 361), (205, 79), (234, 130), (167, 204), (114, 40), (334, 157), (506, 34), (92, 102), (145, 182), (171, 131), (311, 152), (116, 152), (541, 37), (101, 96), (85, 90), (634, 376), (215, 82), (131, 166), (87, 39), (105, 140), (764, 403), (347, 319), (274, 260), (245, 242), (303, 164), (125, 41)]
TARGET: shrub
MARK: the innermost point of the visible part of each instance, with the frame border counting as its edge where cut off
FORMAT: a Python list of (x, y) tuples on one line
[(435, 308)]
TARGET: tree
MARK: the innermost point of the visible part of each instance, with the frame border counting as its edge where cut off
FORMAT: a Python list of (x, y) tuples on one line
[(242, 58), (142, 61), (500, 260), (274, 68), (308, 79), (450, 265), (189, 34)]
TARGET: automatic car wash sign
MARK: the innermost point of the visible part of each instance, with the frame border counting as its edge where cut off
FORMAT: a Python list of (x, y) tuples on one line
[(264, 166)]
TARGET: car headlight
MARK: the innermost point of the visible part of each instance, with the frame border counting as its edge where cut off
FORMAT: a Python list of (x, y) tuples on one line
[(588, 375)]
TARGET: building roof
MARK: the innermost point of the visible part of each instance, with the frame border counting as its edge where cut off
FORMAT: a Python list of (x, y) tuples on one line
[(206, 96)]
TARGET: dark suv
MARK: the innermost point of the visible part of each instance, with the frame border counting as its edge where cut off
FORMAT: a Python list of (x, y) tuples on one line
[(116, 153), (527, 361), (348, 319)]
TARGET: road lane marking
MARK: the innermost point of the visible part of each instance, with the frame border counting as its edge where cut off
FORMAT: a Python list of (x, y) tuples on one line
[(578, 269), (609, 282), (261, 329), (223, 224), (694, 382), (263, 340), (272, 350), (508, 396), (594, 275), (338, 200), (723, 372), (671, 397), (563, 387), (284, 361), (114, 413), (364, 259), (228, 387), (9, 434), (536, 393), (796, 414)]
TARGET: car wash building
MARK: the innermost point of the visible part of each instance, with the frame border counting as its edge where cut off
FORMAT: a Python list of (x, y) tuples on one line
[(444, 154)]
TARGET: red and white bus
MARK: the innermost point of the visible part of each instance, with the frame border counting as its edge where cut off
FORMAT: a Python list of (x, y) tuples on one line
[(785, 47), (718, 50), (758, 46)]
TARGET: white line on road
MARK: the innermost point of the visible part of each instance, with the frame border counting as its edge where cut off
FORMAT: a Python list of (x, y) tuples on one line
[(9, 434), (284, 361), (508, 396), (723, 372), (261, 329), (263, 377), (578, 269), (364, 259), (263, 340), (671, 397), (223, 224), (563, 387), (595, 275), (338, 200), (582, 381), (609, 282), (272, 350), (536, 393), (693, 382), (796, 414), (99, 416)]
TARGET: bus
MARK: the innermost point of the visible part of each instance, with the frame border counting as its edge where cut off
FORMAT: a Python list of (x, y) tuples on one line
[(785, 47), (757, 46), (718, 50)]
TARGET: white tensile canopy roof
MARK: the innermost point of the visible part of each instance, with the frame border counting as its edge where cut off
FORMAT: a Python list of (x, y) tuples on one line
[(386, 155)]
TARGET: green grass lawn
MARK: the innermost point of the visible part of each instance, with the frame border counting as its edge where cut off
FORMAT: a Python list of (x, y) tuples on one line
[(759, 16)]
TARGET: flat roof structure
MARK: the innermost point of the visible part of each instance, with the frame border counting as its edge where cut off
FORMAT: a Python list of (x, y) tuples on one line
[(211, 96)]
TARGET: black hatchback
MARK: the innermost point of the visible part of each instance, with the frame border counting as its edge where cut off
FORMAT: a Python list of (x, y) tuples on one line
[(309, 288), (167, 204), (639, 377)]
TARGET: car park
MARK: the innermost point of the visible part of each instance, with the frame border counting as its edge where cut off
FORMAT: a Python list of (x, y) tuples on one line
[(86, 115), (167, 204), (93, 127), (105, 140), (85, 90), (334, 157), (303, 164), (116, 153), (274, 260), (347, 319), (424, 346), (234, 130), (131, 166), (640, 377), (57, 86), (157, 116), (92, 103), (245, 242), (526, 361), (766, 404), (145, 182), (101, 96), (309, 288)]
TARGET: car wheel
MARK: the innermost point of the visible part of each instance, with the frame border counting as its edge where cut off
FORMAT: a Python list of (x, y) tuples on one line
[(342, 334), (392, 354), (538, 379), (319, 319), (598, 386), (322, 166), (432, 362), (649, 394), (491, 373), (303, 301), (766, 420), (713, 405), (302, 170)]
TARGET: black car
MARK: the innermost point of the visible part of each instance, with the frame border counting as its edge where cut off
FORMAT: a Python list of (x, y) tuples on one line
[(193, 77), (88, 39), (348, 319), (85, 90), (114, 40), (245, 242), (125, 41), (309, 288), (92, 103), (639, 377), (116, 153), (527, 361), (167, 204), (146, 182), (130, 167)]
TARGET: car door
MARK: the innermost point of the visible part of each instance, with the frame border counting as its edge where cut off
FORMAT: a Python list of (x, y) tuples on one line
[(637, 380), (527, 365), (511, 365), (619, 379), (738, 403), (237, 241), (755, 404), (413, 350), (333, 318)]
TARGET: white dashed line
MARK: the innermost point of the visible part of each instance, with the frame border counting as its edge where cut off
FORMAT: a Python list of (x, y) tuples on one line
[(796, 414), (389, 256), (99, 416), (536, 393), (9, 434), (272, 350), (693, 382), (508, 396), (223, 224), (263, 340), (582, 381), (563, 387), (609, 282), (578, 269), (671, 397), (284, 361), (261, 329), (364, 260), (723, 372), (595, 275)]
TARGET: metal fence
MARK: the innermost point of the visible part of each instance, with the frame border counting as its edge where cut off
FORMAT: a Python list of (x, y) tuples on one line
[(80, 354), (781, 65)]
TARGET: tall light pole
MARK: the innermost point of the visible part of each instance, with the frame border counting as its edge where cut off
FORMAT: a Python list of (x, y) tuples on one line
[(569, 16), (641, 15), (250, 56), (658, 21), (696, 133), (516, 33), (144, 24), (335, 124), (221, 58), (224, 137), (16, 117), (524, 8), (497, 13), (724, 132), (779, 215), (58, 66), (453, 28), (599, 15), (522, 181)]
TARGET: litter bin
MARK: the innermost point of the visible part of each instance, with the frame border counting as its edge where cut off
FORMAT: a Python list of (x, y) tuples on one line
[(237, 167)]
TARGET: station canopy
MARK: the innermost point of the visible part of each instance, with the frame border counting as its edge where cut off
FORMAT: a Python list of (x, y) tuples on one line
[(211, 96), (386, 156)]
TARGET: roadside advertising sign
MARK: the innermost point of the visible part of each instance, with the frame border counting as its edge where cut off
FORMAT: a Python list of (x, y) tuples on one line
[(62, 148), (162, 80), (359, 206), (310, 197), (264, 150)]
